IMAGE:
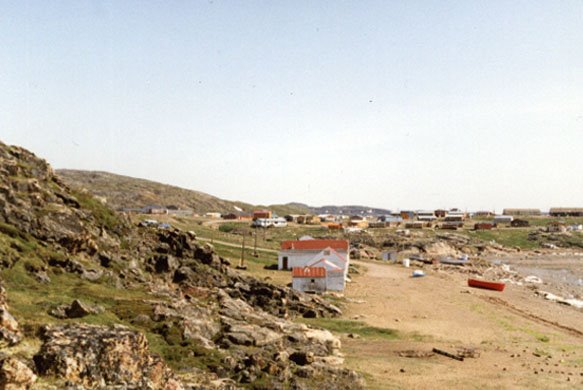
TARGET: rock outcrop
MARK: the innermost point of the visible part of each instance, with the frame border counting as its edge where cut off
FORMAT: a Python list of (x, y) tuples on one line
[(99, 356), (15, 374), (9, 332), (217, 328), (76, 309)]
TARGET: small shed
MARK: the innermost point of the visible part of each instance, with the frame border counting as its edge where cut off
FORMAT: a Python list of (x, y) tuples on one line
[(309, 279), (556, 227)]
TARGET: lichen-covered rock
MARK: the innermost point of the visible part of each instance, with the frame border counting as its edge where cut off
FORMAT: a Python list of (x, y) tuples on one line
[(9, 332), (100, 356), (76, 309), (15, 374)]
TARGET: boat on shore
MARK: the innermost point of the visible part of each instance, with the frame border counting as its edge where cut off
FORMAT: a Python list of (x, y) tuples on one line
[(497, 286)]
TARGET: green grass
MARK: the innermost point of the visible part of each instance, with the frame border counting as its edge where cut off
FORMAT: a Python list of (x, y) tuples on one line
[(338, 325), (104, 216), (509, 237)]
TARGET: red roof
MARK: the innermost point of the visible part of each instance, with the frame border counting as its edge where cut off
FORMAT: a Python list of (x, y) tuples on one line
[(309, 272), (310, 245)]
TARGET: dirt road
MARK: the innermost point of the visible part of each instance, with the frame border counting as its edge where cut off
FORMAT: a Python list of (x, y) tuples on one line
[(523, 340)]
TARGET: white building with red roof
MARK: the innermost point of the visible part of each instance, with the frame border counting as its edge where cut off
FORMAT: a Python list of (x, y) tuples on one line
[(335, 277), (302, 253), (309, 279)]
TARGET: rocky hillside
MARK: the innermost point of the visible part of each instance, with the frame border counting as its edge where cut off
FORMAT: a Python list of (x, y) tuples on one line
[(124, 191), (89, 301)]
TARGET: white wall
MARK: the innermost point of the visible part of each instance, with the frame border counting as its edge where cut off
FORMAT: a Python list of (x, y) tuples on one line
[(305, 284), (335, 281), (298, 258)]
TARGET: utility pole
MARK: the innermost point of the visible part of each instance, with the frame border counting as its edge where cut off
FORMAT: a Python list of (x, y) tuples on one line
[(255, 244), (242, 260)]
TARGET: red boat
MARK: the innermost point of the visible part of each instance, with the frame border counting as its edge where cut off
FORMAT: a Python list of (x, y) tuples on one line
[(498, 286)]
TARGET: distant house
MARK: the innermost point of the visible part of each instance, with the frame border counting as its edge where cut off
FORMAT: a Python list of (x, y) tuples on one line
[(181, 212), (308, 219), (333, 226), (521, 212), (440, 213), (424, 215), (483, 213), (154, 209), (262, 214), (455, 215), (503, 219), (213, 215), (292, 217), (358, 223), (566, 212), (230, 216), (269, 222), (327, 218), (556, 227), (407, 214), (301, 252), (309, 279)]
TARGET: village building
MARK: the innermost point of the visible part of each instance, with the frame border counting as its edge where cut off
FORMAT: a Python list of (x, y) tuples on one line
[(230, 216), (503, 219), (440, 213), (484, 213), (455, 215), (556, 227), (424, 215), (521, 212), (483, 226), (262, 214), (301, 252), (308, 219), (566, 212), (358, 223), (213, 215), (269, 222), (154, 209), (309, 279), (327, 218), (407, 214), (180, 212)]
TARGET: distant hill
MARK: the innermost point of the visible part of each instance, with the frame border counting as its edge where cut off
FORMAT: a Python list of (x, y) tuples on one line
[(128, 192)]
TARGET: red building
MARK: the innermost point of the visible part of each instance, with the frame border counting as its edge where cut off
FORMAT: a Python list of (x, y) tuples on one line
[(261, 214)]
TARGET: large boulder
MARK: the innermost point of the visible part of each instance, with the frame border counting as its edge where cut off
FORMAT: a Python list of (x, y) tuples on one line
[(101, 356), (15, 374), (9, 332), (76, 309)]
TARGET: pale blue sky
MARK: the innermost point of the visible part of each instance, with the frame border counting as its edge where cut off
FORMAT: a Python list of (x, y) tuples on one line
[(395, 104)]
